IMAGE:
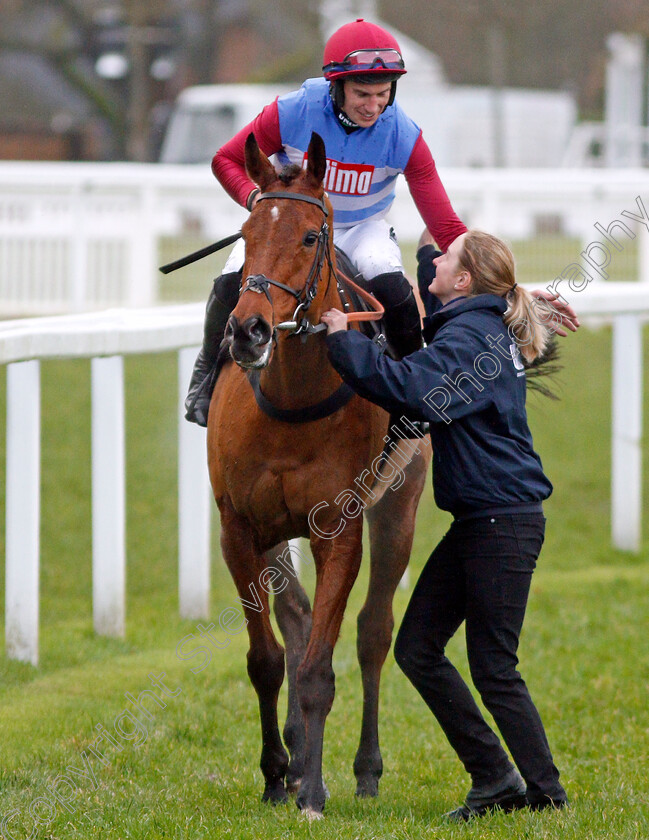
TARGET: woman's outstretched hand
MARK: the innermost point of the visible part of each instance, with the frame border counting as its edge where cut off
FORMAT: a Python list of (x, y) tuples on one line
[(335, 320)]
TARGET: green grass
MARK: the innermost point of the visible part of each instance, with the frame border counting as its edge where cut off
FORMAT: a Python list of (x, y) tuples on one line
[(584, 653)]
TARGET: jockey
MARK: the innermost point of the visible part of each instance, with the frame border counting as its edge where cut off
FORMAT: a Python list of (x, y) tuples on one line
[(369, 142)]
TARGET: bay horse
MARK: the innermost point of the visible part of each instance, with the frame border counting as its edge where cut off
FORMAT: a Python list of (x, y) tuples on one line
[(293, 452)]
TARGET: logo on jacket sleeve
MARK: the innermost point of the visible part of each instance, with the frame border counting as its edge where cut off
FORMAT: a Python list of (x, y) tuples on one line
[(346, 178), (516, 357)]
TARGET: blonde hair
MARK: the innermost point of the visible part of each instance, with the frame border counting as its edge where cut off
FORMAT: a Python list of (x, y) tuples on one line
[(491, 266)]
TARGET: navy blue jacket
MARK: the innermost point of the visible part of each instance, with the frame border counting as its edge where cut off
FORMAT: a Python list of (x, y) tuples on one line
[(469, 383)]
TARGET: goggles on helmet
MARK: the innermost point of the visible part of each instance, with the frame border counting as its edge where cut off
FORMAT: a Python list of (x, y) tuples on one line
[(363, 61)]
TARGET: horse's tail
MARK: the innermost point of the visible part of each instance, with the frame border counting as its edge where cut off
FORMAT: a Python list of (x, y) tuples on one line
[(547, 364)]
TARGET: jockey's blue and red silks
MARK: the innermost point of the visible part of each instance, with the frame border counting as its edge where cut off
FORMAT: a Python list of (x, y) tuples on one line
[(362, 166)]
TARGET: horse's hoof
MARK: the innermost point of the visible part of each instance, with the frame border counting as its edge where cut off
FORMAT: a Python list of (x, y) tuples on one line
[(311, 814), (308, 803), (368, 787), (275, 794)]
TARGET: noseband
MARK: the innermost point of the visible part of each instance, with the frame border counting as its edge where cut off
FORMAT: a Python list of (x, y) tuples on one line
[(259, 283)]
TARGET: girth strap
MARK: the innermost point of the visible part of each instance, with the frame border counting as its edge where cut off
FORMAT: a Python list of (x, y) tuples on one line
[(334, 402)]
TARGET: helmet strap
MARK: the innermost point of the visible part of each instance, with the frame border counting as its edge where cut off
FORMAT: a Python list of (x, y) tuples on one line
[(337, 93), (347, 123)]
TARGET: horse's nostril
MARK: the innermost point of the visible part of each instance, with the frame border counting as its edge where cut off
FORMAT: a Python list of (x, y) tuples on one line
[(230, 328), (258, 330)]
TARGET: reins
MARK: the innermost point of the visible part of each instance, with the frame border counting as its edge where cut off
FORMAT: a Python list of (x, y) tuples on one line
[(377, 308)]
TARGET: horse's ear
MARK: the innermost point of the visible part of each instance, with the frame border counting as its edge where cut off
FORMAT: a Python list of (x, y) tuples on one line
[(259, 168), (317, 160)]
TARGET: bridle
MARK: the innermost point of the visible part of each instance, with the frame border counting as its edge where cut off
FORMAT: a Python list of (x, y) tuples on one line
[(300, 324), (259, 283)]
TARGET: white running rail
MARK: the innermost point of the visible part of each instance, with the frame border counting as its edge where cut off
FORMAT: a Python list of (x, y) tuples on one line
[(106, 338)]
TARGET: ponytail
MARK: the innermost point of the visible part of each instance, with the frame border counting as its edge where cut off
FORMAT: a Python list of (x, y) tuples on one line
[(524, 324)]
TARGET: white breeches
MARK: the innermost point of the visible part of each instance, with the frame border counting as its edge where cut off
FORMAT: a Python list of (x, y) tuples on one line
[(369, 245)]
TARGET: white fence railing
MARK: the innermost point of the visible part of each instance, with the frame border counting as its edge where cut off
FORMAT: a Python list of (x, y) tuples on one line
[(76, 237), (106, 337)]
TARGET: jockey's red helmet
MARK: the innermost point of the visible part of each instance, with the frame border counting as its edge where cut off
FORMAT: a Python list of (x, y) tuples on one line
[(362, 49)]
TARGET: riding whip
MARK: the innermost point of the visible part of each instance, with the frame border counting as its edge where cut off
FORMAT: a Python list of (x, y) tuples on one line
[(202, 252)]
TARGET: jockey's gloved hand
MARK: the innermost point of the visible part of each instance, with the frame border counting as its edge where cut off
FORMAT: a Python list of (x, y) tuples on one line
[(426, 270)]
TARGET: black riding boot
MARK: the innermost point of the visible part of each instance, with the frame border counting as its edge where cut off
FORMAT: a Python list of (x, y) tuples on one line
[(402, 324), (220, 303), (401, 320)]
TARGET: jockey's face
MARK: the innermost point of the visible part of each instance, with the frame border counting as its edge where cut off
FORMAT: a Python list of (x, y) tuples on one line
[(364, 104)]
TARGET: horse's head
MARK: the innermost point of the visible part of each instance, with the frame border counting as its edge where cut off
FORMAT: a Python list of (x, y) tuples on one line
[(287, 254)]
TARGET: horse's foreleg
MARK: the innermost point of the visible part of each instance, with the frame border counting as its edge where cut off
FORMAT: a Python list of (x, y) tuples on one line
[(265, 655), (337, 564), (293, 614), (391, 527)]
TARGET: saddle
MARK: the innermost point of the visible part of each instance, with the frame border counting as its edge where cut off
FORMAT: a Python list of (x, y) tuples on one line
[(353, 302)]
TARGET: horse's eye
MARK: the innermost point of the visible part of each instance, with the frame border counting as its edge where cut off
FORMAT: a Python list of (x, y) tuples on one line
[(310, 238)]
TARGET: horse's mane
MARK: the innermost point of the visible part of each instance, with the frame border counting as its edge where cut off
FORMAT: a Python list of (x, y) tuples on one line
[(289, 173)]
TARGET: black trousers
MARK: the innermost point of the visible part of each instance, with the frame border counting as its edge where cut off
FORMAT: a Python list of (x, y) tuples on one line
[(480, 573)]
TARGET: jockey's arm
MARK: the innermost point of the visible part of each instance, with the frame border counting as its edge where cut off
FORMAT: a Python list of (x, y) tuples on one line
[(563, 316), (430, 197), (228, 164)]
